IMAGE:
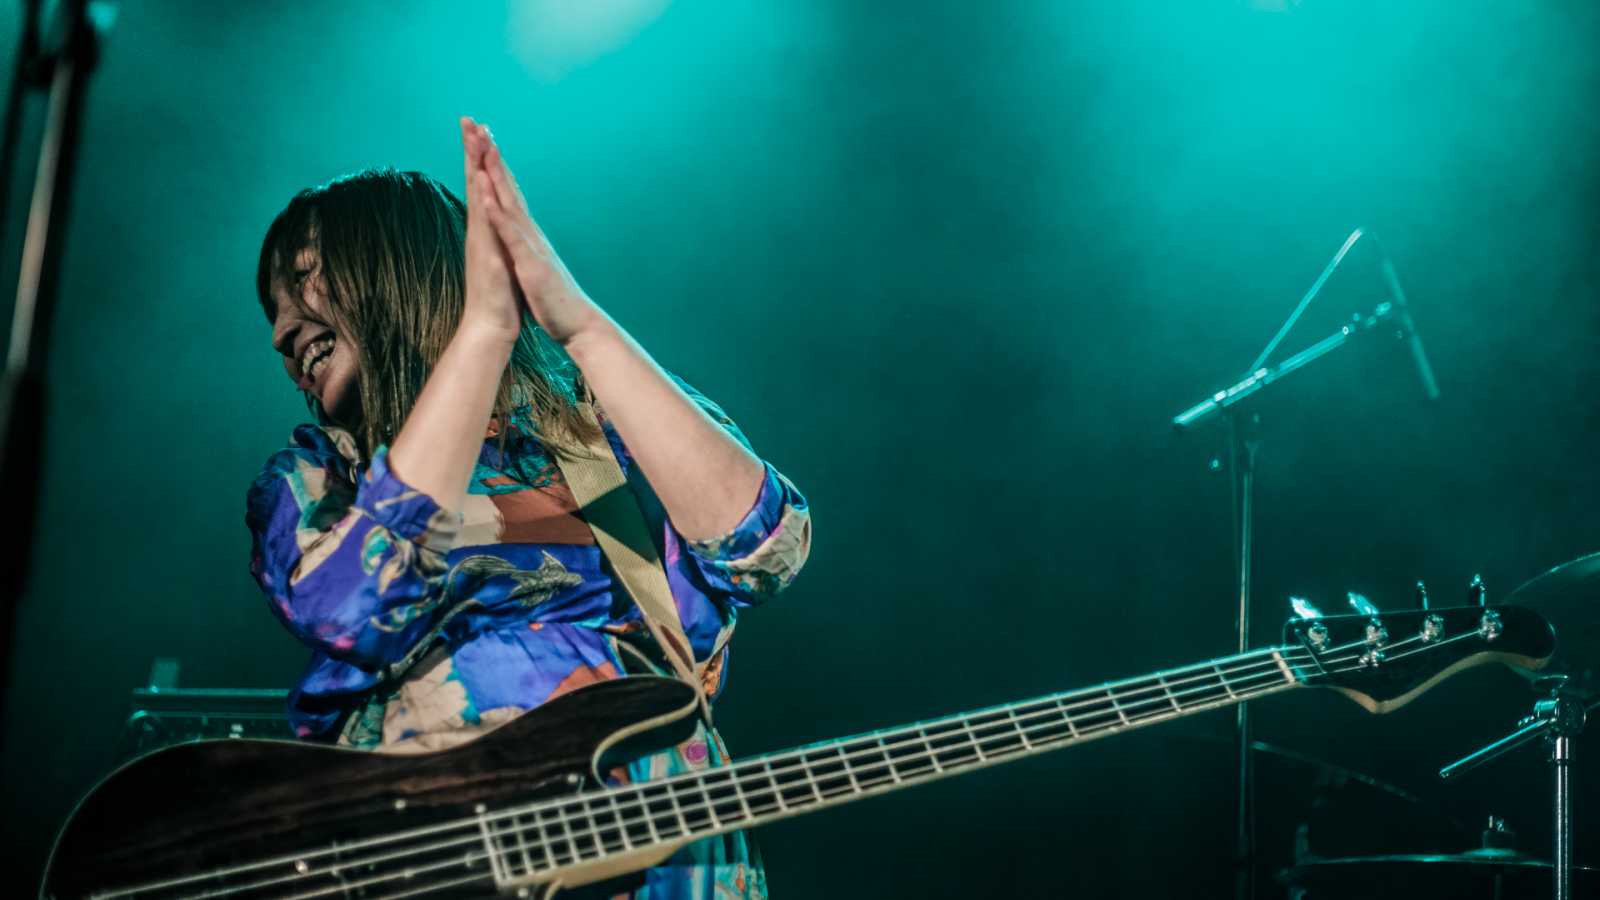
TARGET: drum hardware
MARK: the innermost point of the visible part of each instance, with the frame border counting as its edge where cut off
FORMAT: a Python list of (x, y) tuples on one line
[(1557, 717)]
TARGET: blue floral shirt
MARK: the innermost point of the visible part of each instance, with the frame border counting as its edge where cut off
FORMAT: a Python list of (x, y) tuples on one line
[(429, 626)]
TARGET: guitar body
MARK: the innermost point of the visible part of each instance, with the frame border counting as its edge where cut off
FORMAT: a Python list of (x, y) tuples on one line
[(205, 806)]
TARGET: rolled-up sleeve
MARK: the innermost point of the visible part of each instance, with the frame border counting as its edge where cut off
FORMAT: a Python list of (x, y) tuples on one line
[(762, 554), (352, 562)]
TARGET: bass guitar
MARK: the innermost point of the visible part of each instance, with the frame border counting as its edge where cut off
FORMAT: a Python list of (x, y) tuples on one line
[(523, 809)]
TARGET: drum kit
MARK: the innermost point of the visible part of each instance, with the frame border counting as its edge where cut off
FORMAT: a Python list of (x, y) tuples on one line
[(1566, 689)]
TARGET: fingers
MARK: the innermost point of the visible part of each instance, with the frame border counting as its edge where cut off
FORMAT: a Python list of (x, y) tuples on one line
[(468, 135), (510, 195), (474, 142), (512, 237), (484, 191)]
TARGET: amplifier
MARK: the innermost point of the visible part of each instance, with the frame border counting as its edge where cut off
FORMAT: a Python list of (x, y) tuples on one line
[(166, 716)]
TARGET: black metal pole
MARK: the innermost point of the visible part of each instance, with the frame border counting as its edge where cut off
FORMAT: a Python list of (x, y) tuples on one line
[(1243, 442), (62, 69), (1560, 760)]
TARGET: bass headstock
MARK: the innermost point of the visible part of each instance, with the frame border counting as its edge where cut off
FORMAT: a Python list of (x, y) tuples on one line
[(1383, 659)]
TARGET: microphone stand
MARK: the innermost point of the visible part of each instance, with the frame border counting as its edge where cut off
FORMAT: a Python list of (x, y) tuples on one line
[(60, 67), (1244, 440), (1244, 443)]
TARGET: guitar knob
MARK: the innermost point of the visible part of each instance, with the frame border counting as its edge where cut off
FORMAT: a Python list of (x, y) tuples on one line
[(1478, 592), (1377, 635), (1432, 623), (1362, 605), (1304, 609)]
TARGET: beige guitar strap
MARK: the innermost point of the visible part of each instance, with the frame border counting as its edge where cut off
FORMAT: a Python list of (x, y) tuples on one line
[(613, 514)]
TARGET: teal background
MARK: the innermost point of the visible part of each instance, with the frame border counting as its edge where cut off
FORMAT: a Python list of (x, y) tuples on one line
[(952, 267)]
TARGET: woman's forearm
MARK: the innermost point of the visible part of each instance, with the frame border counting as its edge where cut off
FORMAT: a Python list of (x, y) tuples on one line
[(704, 477), (438, 445)]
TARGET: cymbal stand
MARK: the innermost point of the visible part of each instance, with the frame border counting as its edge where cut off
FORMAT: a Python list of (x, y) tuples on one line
[(1557, 717)]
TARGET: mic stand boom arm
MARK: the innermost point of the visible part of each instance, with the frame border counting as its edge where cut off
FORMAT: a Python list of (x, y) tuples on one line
[(1222, 400)]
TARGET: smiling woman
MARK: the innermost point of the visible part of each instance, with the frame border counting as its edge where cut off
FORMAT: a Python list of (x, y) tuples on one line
[(421, 538), (373, 262)]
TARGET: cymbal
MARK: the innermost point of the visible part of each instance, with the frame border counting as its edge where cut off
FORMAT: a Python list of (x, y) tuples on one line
[(1479, 873), (1569, 596)]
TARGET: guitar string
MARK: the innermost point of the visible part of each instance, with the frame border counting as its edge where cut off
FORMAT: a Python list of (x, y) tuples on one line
[(637, 803), (781, 809), (640, 803), (1247, 693), (595, 836), (1250, 693), (471, 858), (595, 832)]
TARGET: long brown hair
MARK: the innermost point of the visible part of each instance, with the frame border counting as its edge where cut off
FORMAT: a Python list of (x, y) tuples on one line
[(391, 246)]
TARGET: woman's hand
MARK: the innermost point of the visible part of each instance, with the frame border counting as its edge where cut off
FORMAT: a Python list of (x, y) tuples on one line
[(561, 308), (491, 306), (438, 445), (704, 477)]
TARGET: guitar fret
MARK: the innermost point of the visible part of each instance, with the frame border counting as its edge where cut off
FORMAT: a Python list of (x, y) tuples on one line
[(1222, 680), (849, 770), (649, 820), (710, 808), (622, 823), (572, 845), (966, 725), (678, 810), (869, 766), (777, 791), (738, 792), (932, 756), (722, 793), (888, 758), (660, 808), (753, 796), (588, 828), (811, 777), (1092, 716), (497, 864), (522, 844), (1066, 715), (1016, 724), (1003, 731), (1111, 696), (1167, 689), (608, 834)]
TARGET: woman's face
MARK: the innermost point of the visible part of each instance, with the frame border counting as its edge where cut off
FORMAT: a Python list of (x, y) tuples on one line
[(317, 358)]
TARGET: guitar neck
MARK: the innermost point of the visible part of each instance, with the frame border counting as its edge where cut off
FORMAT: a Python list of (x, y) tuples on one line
[(588, 826)]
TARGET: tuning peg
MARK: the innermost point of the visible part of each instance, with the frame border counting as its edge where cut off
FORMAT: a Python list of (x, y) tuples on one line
[(1303, 608), (1362, 605), (1422, 596), (1478, 592)]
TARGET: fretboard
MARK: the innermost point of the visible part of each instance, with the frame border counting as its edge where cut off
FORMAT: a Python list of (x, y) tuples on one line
[(528, 841)]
